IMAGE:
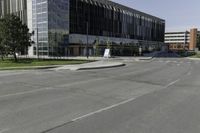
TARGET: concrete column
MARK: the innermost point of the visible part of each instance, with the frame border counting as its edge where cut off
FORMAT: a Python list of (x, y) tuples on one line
[(76, 51)]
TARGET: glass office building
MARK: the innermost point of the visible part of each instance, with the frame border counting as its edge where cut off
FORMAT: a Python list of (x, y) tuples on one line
[(17, 7), (50, 23), (106, 21), (73, 27)]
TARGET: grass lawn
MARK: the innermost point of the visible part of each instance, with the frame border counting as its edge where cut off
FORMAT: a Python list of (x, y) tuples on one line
[(195, 56), (34, 62)]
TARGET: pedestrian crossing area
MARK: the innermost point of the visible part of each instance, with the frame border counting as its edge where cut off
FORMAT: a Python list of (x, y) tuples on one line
[(178, 61)]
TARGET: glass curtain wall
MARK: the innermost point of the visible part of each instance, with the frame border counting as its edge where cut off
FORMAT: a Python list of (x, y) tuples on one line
[(1, 8), (51, 22), (58, 26), (40, 26), (106, 19)]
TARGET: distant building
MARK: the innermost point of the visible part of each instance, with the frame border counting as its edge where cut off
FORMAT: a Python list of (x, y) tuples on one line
[(186, 40), (72, 27), (16, 7)]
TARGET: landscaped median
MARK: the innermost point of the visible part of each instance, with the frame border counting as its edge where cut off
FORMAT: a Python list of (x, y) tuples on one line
[(196, 56), (23, 64), (92, 65)]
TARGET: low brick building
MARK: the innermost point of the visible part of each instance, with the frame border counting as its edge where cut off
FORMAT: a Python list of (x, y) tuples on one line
[(187, 40)]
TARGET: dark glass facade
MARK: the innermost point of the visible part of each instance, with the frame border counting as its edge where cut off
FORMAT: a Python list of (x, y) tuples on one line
[(106, 18), (51, 21), (61, 26), (40, 26), (58, 25)]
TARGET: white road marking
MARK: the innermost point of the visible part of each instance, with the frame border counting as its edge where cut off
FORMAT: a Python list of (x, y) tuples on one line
[(103, 109), (21, 93), (65, 85), (178, 64), (48, 88), (115, 105), (189, 73), (3, 74), (4, 130), (172, 83)]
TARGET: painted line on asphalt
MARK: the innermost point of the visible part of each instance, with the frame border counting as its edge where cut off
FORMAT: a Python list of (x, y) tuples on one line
[(103, 109), (4, 130), (115, 105), (49, 88), (172, 83), (65, 85), (22, 93), (189, 73), (8, 73)]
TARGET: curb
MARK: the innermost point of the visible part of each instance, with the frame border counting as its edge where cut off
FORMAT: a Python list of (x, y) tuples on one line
[(198, 59), (76, 68), (29, 68), (150, 58), (100, 67)]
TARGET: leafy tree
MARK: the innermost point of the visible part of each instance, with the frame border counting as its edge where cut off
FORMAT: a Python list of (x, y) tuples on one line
[(108, 44), (96, 45), (2, 41), (16, 34), (2, 48)]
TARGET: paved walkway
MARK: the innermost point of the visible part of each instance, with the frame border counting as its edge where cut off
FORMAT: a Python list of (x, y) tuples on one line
[(100, 63), (98, 58), (93, 65), (193, 58)]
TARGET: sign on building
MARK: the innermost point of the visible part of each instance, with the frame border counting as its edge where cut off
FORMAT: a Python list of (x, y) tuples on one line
[(107, 53)]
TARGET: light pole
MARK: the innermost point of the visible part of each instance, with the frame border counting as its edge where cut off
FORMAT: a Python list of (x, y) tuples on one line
[(36, 22), (37, 44), (87, 54)]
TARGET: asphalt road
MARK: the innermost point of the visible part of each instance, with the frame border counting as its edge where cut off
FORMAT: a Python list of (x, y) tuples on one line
[(159, 96)]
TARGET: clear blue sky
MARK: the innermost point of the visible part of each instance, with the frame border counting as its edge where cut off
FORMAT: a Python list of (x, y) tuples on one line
[(179, 14)]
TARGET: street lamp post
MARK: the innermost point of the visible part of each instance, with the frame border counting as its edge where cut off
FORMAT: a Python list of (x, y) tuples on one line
[(87, 54), (37, 44), (36, 22)]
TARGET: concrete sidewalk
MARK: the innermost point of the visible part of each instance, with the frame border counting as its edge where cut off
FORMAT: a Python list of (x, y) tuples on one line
[(100, 63), (137, 58), (30, 67), (197, 59), (93, 65)]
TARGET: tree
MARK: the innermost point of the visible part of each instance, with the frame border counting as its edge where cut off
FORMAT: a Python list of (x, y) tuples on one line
[(16, 34), (2, 48), (2, 41), (108, 44), (96, 45)]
